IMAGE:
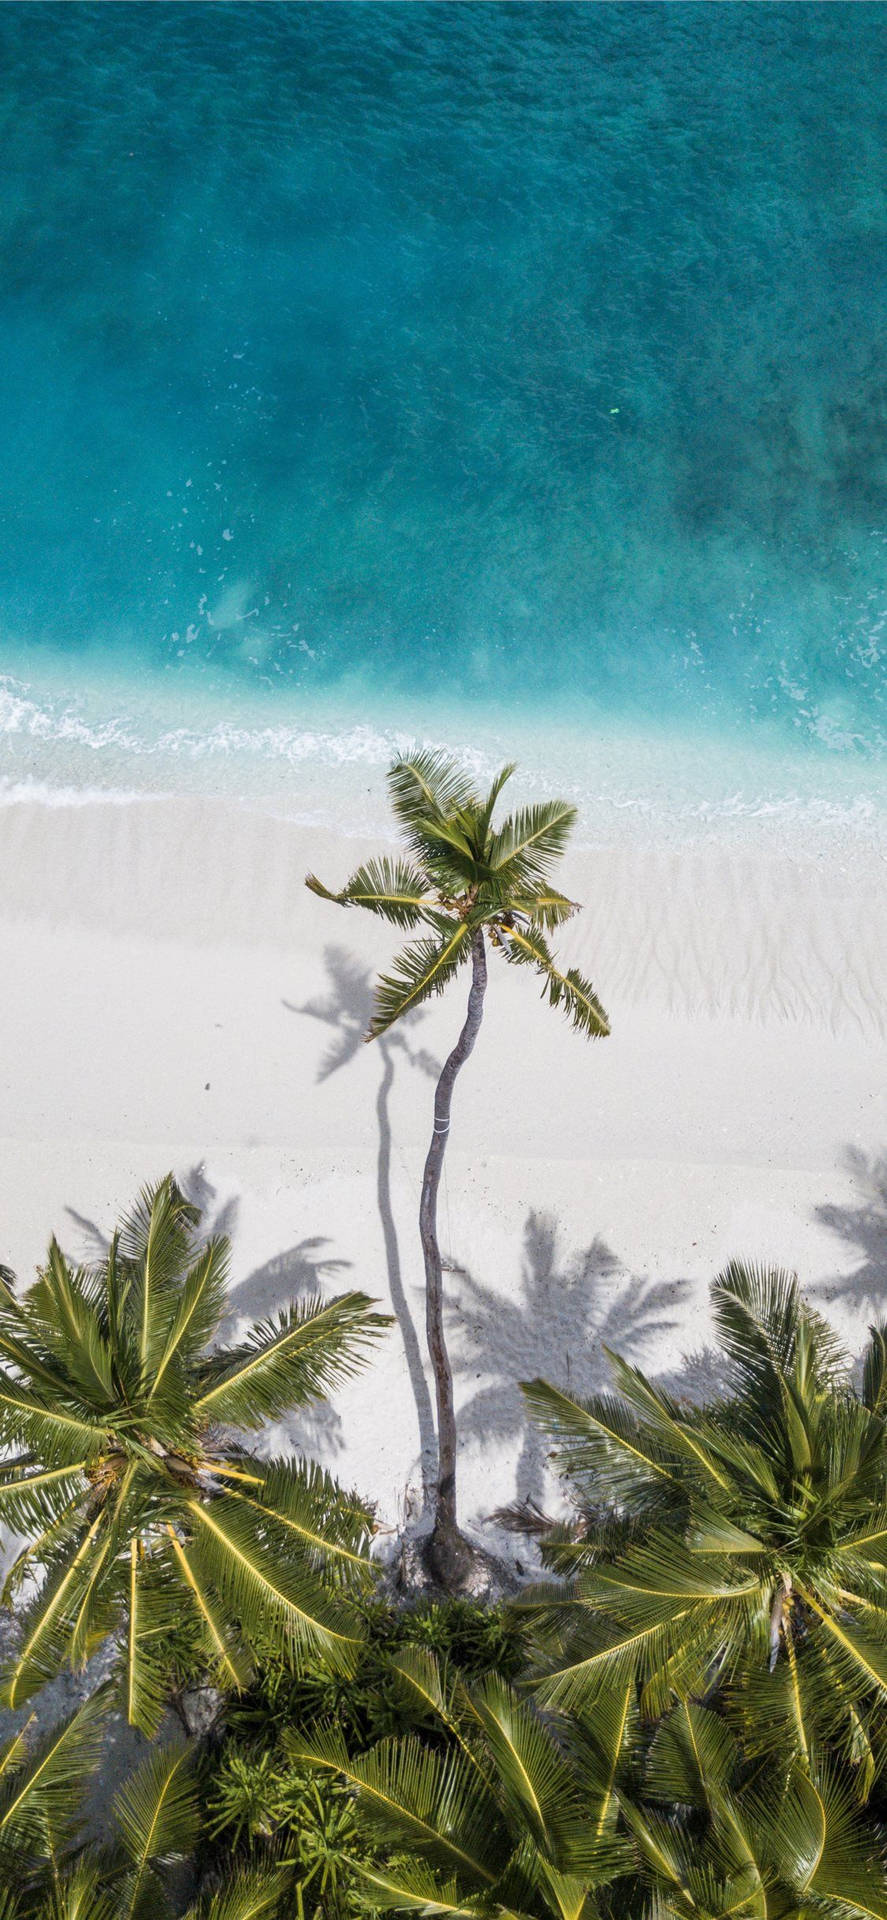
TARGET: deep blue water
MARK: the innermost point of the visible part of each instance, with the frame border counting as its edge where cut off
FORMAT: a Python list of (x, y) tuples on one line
[(528, 354)]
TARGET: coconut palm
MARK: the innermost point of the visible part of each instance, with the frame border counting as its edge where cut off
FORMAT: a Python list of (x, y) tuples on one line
[(487, 1816), (41, 1783), (497, 1812), (466, 884), (155, 1825), (142, 1511), (740, 1545)]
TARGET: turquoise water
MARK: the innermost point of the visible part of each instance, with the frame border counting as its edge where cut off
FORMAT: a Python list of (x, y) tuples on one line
[(486, 359)]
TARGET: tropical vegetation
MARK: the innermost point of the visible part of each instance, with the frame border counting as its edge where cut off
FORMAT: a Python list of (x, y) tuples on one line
[(467, 885), (501, 1810), (143, 1512), (142, 1862), (736, 1549)]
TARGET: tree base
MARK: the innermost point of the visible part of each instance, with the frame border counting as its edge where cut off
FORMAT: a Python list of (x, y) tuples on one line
[(453, 1567)]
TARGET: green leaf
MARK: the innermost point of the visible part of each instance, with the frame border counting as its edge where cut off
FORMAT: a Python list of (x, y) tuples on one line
[(45, 1789), (874, 1377), (251, 1893), (54, 1435), (428, 785), (272, 1593), (535, 1780), (600, 1436), (412, 1888), (420, 970), (200, 1307), (47, 1624), (570, 990), (156, 1241), (425, 1800), (394, 889), (308, 1507), (524, 848), (157, 1814), (311, 1347)]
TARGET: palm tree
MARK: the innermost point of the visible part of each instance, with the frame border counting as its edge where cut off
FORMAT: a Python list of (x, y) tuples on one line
[(494, 1811), (465, 883), (41, 1783), (143, 1512), (738, 1548), (47, 1874)]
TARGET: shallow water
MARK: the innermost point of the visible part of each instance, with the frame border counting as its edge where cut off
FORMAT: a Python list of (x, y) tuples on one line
[(490, 365)]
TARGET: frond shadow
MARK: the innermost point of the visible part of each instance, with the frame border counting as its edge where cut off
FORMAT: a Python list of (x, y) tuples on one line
[(346, 1009), (863, 1226), (94, 1241), (569, 1307)]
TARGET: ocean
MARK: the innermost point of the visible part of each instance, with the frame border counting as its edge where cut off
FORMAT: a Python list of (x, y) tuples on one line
[(507, 375)]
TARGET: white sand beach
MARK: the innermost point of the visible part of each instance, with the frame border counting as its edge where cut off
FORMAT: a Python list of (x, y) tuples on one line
[(173, 997)]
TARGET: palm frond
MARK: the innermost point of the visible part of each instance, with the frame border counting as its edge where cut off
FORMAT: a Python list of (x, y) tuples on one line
[(198, 1312), (271, 1592), (692, 1754), (534, 1777), (545, 907), (42, 1786), (63, 1305), (428, 1689), (485, 818), (570, 990), (394, 889), (823, 1848), (31, 1500), (307, 1506), (411, 1887), (662, 1417), (874, 1376), (420, 970), (602, 1437), (859, 1654), (428, 785), (758, 1314), (46, 1626), (80, 1894), (251, 1893), (55, 1433), (156, 1242), (418, 1798), (308, 1349), (525, 846), (154, 1607), (157, 1815), (224, 1656)]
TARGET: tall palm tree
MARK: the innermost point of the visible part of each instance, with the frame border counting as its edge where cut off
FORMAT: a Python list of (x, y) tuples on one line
[(466, 884), (737, 1547), (142, 1510), (494, 1811)]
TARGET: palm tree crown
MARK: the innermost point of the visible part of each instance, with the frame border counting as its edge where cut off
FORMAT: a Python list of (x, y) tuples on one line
[(138, 1503), (463, 876), (739, 1546)]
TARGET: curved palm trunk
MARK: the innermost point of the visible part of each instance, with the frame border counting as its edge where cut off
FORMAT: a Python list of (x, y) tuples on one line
[(450, 1554)]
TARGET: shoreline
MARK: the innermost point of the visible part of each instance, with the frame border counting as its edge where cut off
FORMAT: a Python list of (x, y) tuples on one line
[(175, 998), (321, 762)]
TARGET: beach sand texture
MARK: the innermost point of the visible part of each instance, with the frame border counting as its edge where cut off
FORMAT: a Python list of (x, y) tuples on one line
[(173, 997)]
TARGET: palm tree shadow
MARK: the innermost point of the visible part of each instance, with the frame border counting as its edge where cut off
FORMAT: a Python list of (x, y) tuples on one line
[(346, 1008), (297, 1273), (863, 1226), (570, 1308), (215, 1221)]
